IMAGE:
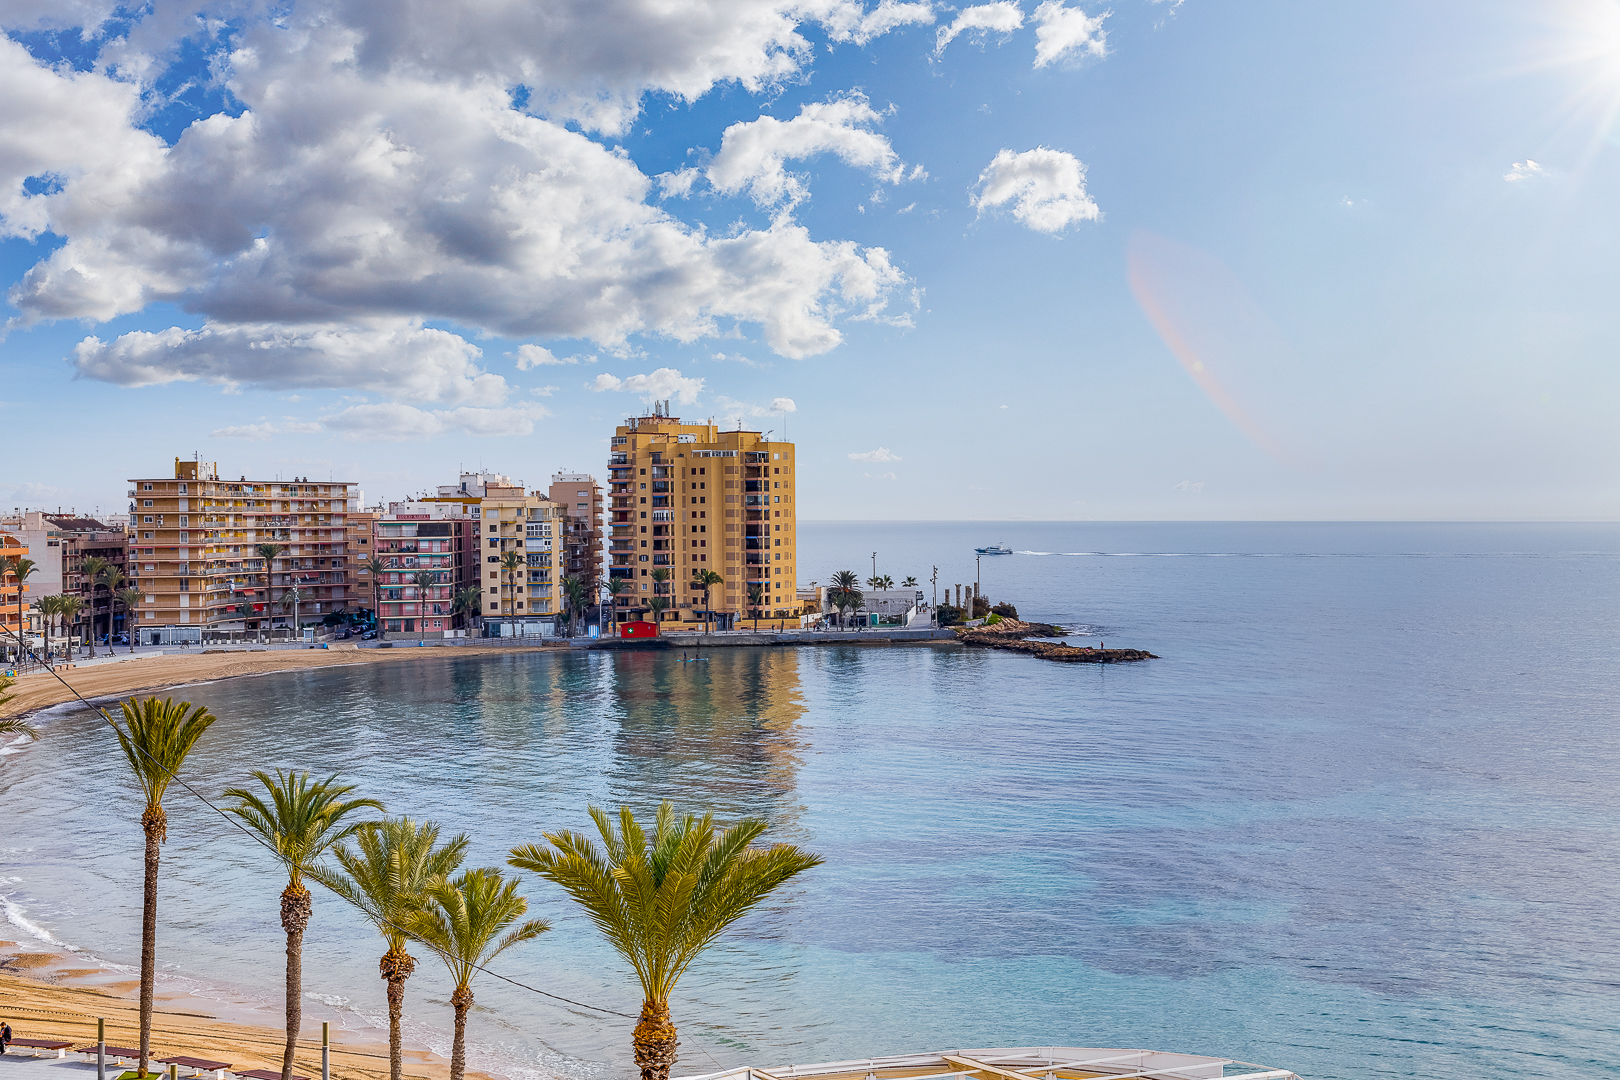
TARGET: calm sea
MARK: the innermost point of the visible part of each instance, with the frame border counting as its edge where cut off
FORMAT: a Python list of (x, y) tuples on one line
[(1361, 820)]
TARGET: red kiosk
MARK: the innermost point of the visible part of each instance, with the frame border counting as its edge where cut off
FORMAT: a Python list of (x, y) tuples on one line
[(640, 628)]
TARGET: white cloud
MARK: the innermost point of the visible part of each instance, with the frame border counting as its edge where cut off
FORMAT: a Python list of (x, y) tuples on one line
[(1192, 487), (881, 476), (394, 422), (736, 358), (404, 360), (753, 154), (1524, 170), (1003, 17), (533, 356), (1065, 33), (1046, 187), (377, 172), (657, 385), (784, 404), (882, 453), (847, 22), (255, 432)]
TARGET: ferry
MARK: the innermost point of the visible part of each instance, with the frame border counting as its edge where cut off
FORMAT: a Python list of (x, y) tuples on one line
[(994, 549)]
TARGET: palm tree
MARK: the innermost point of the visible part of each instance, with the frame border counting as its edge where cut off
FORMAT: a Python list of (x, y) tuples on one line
[(300, 822), (613, 587), (659, 602), (463, 923), (289, 602), (113, 577), (511, 563), (68, 608), (93, 567), (845, 591), (423, 580), (573, 590), (756, 597), (375, 567), (466, 602), (129, 598), (267, 552), (13, 725), (21, 568), (156, 736), (661, 907), (909, 583), (706, 580), (387, 878), (884, 581)]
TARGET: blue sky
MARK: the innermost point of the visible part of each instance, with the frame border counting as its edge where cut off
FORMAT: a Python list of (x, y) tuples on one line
[(1205, 261)]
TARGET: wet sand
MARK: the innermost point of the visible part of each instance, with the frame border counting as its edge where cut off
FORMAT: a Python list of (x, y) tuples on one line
[(147, 674)]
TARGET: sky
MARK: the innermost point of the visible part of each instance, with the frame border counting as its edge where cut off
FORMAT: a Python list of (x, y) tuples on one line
[(1056, 261)]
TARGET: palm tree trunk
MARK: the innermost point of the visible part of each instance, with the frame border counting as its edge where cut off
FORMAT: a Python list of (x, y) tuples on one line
[(156, 826), (295, 911), (461, 1001), (654, 1041), (396, 967)]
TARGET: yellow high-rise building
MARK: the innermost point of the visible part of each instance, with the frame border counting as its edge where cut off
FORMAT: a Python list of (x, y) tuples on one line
[(688, 498)]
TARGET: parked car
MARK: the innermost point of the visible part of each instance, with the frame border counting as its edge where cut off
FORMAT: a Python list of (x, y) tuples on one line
[(369, 635)]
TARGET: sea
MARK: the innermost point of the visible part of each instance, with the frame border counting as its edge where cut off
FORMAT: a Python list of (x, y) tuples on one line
[(1360, 819)]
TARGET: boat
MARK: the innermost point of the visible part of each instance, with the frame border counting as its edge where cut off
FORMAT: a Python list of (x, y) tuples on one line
[(994, 549)]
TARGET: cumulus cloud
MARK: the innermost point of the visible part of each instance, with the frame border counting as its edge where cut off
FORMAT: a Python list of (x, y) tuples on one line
[(396, 422), (882, 453), (783, 404), (1047, 188), (377, 173), (753, 154), (533, 356), (1524, 170), (847, 22), (1065, 33), (403, 360), (654, 386), (255, 432), (1002, 17)]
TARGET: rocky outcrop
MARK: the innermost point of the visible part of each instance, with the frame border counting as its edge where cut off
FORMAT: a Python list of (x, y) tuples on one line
[(1014, 635)]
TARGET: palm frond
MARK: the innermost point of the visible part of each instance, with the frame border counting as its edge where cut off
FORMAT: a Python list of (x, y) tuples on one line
[(301, 820), (156, 736)]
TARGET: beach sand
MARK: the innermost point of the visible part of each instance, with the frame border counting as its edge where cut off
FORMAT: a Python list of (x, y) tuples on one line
[(147, 674), (42, 1003)]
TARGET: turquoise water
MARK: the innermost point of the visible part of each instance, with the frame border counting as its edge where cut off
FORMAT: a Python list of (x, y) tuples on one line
[(1359, 821)]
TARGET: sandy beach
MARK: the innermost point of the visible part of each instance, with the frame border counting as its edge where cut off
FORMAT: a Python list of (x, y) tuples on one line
[(48, 999), (145, 674)]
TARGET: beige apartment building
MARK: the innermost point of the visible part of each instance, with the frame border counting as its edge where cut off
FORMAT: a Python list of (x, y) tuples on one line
[(580, 498), (520, 596), (192, 550), (690, 497)]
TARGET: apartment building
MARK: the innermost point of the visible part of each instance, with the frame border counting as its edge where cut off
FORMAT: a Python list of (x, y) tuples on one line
[(193, 549), (689, 497), (416, 538), (580, 497), (12, 607), (41, 540), (519, 593)]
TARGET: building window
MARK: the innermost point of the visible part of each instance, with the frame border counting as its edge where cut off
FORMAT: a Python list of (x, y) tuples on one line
[(146, 502)]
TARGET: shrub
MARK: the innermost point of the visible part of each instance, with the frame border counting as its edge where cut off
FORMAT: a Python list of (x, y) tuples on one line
[(1005, 610)]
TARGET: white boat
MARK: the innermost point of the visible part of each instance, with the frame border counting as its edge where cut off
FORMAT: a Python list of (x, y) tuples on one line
[(994, 549)]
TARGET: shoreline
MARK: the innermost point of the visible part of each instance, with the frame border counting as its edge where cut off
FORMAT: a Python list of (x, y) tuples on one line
[(44, 1002), (38, 691)]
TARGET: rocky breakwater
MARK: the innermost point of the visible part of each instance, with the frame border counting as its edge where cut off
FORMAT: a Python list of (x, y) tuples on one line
[(1015, 635)]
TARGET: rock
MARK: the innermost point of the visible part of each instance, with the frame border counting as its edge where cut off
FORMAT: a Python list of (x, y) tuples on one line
[(1013, 635)]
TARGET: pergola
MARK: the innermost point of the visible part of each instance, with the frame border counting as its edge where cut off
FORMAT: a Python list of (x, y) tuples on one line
[(1018, 1063)]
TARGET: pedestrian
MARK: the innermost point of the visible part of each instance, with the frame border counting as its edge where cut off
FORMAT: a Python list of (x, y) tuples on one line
[(5, 1036)]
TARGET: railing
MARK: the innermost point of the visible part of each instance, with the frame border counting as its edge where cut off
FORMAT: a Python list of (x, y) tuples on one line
[(663, 515)]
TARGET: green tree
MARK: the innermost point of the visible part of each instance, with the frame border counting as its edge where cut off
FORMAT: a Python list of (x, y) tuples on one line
[(845, 592), (386, 877), (156, 737), (909, 583), (661, 904), (267, 552), (573, 591), (300, 820), (49, 607), (467, 602), (375, 567), (129, 598), (113, 578), (660, 600), (706, 580), (756, 598), (469, 922), (94, 568), (614, 587), (68, 608), (13, 725), (424, 580), (884, 581), (511, 563)]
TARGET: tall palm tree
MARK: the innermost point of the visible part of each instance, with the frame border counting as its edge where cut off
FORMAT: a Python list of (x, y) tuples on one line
[(659, 602), (613, 587), (424, 580), (129, 598), (21, 568), (884, 581), (661, 905), (573, 591), (511, 563), (387, 878), (464, 923), (49, 607), (267, 552), (156, 736), (300, 821), (756, 598), (466, 602), (909, 583), (846, 589), (68, 607), (12, 725), (113, 577), (375, 567), (706, 580), (93, 567)]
